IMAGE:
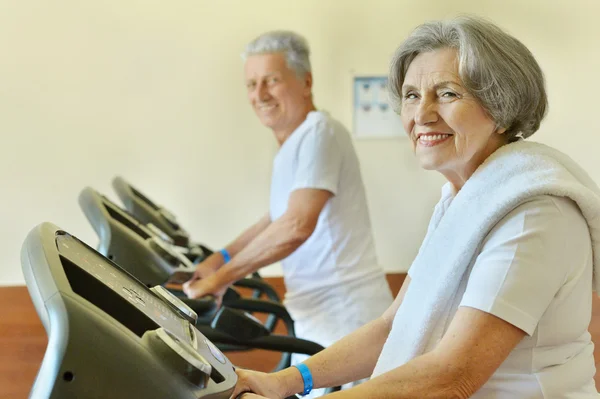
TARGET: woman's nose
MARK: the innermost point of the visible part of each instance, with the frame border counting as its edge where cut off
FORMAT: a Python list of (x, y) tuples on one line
[(426, 112)]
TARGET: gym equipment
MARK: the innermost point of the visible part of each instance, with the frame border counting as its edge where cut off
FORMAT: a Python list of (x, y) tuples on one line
[(148, 212), (147, 253), (110, 336), (125, 240), (143, 252)]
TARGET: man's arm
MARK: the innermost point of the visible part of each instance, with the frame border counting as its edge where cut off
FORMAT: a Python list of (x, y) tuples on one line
[(247, 236), (215, 261), (279, 239)]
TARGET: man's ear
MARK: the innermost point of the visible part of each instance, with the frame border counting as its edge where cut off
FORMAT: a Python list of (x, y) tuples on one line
[(308, 82)]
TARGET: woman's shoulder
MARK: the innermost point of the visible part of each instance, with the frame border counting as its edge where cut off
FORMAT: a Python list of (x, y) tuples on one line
[(546, 223), (550, 206)]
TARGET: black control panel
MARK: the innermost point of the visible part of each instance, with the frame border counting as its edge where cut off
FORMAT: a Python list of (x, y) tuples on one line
[(121, 283)]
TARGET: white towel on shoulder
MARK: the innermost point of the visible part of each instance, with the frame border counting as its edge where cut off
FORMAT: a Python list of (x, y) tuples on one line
[(513, 174)]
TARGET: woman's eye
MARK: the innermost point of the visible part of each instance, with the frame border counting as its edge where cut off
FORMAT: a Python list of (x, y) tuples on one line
[(410, 96), (448, 94)]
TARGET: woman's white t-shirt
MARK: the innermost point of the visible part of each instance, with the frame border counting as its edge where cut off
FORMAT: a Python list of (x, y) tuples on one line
[(534, 270)]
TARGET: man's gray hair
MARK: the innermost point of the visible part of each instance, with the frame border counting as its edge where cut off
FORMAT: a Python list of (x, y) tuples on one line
[(292, 45), (494, 66)]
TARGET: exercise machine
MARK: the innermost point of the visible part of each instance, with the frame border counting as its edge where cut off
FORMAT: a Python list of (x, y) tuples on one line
[(148, 212), (149, 256), (109, 335)]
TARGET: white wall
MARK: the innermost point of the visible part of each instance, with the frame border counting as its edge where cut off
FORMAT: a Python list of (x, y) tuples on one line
[(153, 91)]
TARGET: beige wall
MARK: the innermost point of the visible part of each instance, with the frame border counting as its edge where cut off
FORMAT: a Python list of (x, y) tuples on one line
[(153, 91)]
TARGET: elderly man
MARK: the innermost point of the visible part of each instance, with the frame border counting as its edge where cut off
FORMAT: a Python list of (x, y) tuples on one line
[(318, 224)]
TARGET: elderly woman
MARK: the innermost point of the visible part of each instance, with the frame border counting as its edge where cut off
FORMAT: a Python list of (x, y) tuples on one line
[(497, 303)]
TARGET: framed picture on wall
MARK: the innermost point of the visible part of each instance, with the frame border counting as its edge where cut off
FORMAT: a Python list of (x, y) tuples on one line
[(373, 116)]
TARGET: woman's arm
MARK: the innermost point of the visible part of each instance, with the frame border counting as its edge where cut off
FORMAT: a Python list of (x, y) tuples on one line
[(472, 349), (354, 357), (351, 358)]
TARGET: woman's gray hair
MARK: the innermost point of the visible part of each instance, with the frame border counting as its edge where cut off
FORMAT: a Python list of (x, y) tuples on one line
[(494, 66), (292, 45)]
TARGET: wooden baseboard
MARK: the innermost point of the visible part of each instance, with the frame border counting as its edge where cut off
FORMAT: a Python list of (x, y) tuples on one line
[(23, 339)]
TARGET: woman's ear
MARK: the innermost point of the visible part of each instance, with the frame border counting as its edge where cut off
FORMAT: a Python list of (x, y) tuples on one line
[(500, 130)]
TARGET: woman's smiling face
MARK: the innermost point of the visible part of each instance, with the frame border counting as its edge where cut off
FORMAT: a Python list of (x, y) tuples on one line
[(450, 131)]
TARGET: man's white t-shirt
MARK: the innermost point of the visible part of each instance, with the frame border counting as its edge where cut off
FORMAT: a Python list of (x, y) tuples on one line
[(534, 270), (336, 269)]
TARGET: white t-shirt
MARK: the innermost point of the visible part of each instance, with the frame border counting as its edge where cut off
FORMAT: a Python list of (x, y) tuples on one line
[(338, 260), (534, 270)]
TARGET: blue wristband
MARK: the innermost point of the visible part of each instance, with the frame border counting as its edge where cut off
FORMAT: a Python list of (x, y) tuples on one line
[(306, 377), (225, 254)]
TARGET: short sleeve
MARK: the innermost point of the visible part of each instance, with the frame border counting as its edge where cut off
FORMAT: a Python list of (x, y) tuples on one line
[(319, 160), (526, 259)]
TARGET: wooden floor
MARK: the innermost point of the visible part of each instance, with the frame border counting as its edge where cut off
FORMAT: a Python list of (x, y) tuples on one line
[(23, 340)]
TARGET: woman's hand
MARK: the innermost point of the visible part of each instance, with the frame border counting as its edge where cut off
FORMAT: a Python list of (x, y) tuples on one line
[(253, 384)]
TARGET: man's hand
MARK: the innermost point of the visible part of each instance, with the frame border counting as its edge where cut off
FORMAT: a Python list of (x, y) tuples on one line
[(208, 267), (210, 285)]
